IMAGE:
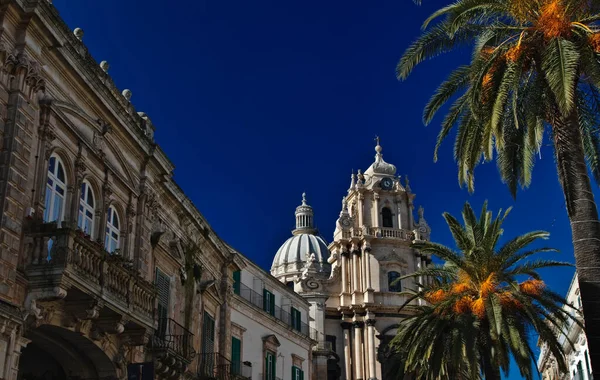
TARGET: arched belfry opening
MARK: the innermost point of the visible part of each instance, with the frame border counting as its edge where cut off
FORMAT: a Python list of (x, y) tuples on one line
[(387, 219)]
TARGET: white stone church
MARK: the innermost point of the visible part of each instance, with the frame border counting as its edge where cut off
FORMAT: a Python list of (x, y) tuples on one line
[(352, 283)]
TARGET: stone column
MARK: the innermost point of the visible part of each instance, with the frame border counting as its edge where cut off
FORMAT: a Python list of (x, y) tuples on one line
[(347, 350), (358, 350), (367, 254), (371, 355), (368, 296), (360, 210), (376, 209), (355, 269), (344, 272), (399, 211)]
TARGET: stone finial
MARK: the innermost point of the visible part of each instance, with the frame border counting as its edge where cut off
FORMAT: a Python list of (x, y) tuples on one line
[(78, 32), (303, 199), (127, 94), (104, 66)]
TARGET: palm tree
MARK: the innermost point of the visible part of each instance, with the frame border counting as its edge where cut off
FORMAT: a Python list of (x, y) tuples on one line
[(480, 307), (534, 68)]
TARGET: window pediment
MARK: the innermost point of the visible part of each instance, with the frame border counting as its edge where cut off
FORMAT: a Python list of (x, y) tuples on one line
[(271, 343)]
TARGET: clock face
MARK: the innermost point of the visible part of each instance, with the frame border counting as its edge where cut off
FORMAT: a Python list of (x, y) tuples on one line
[(387, 183)]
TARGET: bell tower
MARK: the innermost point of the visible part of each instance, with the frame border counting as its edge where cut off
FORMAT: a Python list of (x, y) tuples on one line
[(371, 248)]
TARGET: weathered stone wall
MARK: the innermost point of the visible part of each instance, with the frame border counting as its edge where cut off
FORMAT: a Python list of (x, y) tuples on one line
[(56, 101)]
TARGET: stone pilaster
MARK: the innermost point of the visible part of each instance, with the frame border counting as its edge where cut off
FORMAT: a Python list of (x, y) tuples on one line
[(226, 290), (18, 113)]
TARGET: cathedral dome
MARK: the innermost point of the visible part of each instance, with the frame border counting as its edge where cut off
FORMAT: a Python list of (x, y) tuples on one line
[(292, 256), (295, 252)]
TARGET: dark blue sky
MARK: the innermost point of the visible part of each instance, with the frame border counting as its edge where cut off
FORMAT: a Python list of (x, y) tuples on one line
[(258, 101)]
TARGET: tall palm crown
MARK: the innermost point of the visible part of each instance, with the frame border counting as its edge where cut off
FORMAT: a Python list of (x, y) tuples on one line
[(534, 67), (481, 306)]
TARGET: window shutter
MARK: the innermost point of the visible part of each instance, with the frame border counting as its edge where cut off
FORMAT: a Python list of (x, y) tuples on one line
[(265, 300), (272, 303), (274, 367), (236, 282), (236, 355), (163, 287), (301, 374)]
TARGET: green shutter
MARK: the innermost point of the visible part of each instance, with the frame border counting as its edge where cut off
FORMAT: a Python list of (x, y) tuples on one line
[(270, 366), (236, 355), (301, 375), (236, 282), (265, 299), (296, 319), (268, 302), (266, 377)]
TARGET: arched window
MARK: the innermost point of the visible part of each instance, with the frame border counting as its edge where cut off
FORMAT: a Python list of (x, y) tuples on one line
[(394, 284), (111, 241), (55, 191), (290, 284), (386, 218), (85, 220)]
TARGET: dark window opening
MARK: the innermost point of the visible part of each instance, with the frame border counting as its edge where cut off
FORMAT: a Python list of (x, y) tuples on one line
[(332, 340), (394, 284), (290, 284), (386, 218)]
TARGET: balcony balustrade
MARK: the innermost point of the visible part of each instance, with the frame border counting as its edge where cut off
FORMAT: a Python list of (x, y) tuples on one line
[(256, 299), (63, 258), (379, 232)]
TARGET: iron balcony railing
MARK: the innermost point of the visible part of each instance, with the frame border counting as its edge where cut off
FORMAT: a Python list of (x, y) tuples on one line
[(172, 336), (214, 366), (256, 299)]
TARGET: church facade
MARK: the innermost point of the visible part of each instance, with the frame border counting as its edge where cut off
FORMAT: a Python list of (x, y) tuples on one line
[(353, 284)]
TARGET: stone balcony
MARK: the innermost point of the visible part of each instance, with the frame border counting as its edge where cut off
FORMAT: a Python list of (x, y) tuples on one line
[(62, 264), (172, 346)]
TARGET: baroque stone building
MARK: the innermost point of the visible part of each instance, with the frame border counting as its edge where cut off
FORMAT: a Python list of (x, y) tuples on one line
[(576, 355), (107, 270), (352, 284), (106, 267)]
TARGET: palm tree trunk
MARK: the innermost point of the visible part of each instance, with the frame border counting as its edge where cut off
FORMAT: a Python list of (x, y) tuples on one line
[(585, 227)]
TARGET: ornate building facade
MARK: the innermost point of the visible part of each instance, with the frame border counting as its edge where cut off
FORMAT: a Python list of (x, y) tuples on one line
[(106, 267), (107, 270), (352, 284), (577, 355)]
